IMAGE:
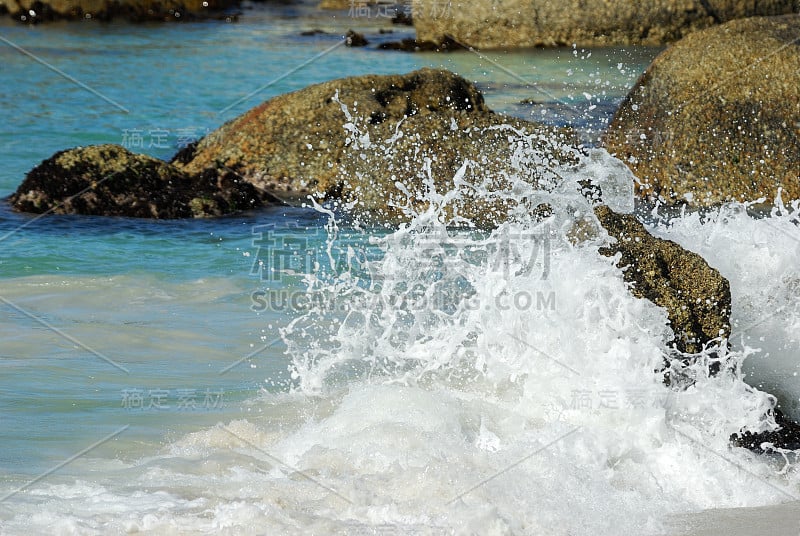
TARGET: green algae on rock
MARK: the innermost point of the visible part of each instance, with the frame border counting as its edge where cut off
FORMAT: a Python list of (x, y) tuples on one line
[(716, 117)]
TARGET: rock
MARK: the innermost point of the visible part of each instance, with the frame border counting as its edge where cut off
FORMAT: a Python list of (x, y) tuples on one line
[(354, 39), (787, 436), (696, 296), (293, 144), (315, 31), (366, 147), (398, 136), (402, 18), (412, 45), (33, 11), (530, 23), (716, 117), (108, 180)]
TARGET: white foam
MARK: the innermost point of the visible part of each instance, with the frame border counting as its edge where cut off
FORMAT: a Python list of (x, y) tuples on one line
[(759, 258)]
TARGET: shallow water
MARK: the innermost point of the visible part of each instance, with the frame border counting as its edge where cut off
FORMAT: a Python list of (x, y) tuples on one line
[(536, 411)]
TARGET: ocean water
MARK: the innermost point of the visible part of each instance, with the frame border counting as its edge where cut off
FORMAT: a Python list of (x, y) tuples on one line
[(290, 372)]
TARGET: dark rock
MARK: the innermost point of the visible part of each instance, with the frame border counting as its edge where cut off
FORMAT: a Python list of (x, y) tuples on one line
[(402, 18), (185, 154), (716, 117), (787, 436), (412, 45), (696, 296), (108, 180), (315, 31), (353, 39)]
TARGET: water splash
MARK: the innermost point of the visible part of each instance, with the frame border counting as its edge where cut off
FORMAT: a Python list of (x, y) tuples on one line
[(542, 329)]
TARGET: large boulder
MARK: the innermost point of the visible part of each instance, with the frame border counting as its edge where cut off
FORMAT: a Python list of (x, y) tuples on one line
[(530, 23), (293, 144), (33, 11), (108, 180), (716, 117), (363, 141)]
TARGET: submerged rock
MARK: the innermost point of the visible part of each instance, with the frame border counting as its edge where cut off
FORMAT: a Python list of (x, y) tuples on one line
[(696, 296), (716, 117), (531, 23), (109, 180), (355, 39), (447, 44)]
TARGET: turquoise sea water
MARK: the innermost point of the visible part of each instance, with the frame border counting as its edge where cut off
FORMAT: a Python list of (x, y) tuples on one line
[(146, 330)]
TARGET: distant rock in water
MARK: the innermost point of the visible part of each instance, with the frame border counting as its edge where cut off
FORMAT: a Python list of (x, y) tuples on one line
[(412, 45), (716, 117), (35, 11), (532, 23), (355, 39), (109, 180), (696, 296)]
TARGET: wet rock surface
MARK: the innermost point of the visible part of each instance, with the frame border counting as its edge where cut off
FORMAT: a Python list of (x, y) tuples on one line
[(477, 155), (787, 436), (696, 296), (447, 44), (354, 39)]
